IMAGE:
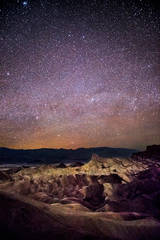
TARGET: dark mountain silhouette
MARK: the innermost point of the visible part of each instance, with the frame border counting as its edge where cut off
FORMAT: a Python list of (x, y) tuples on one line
[(46, 156)]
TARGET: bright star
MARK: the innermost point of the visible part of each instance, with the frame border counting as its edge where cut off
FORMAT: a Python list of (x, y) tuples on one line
[(25, 3), (92, 99)]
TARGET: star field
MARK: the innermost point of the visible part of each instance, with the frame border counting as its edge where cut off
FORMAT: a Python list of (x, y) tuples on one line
[(79, 73)]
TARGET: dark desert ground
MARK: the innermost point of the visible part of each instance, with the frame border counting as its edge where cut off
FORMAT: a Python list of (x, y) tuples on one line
[(80, 119)]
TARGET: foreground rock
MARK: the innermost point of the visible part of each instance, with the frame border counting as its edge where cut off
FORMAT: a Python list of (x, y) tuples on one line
[(142, 194), (22, 218), (4, 176), (152, 153), (113, 199), (111, 181)]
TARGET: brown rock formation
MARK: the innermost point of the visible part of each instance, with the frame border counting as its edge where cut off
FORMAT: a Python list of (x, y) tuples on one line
[(151, 153)]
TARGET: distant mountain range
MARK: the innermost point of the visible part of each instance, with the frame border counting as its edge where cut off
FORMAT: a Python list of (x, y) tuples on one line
[(48, 156)]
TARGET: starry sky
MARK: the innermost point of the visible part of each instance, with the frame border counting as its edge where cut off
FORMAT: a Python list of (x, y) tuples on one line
[(79, 73)]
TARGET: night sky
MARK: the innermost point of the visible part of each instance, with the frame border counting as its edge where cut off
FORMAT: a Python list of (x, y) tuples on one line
[(79, 73)]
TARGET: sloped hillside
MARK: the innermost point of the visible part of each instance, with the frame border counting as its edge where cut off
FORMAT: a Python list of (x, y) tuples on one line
[(22, 218)]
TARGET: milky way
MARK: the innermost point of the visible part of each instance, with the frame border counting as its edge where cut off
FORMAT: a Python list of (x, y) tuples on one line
[(79, 73)]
